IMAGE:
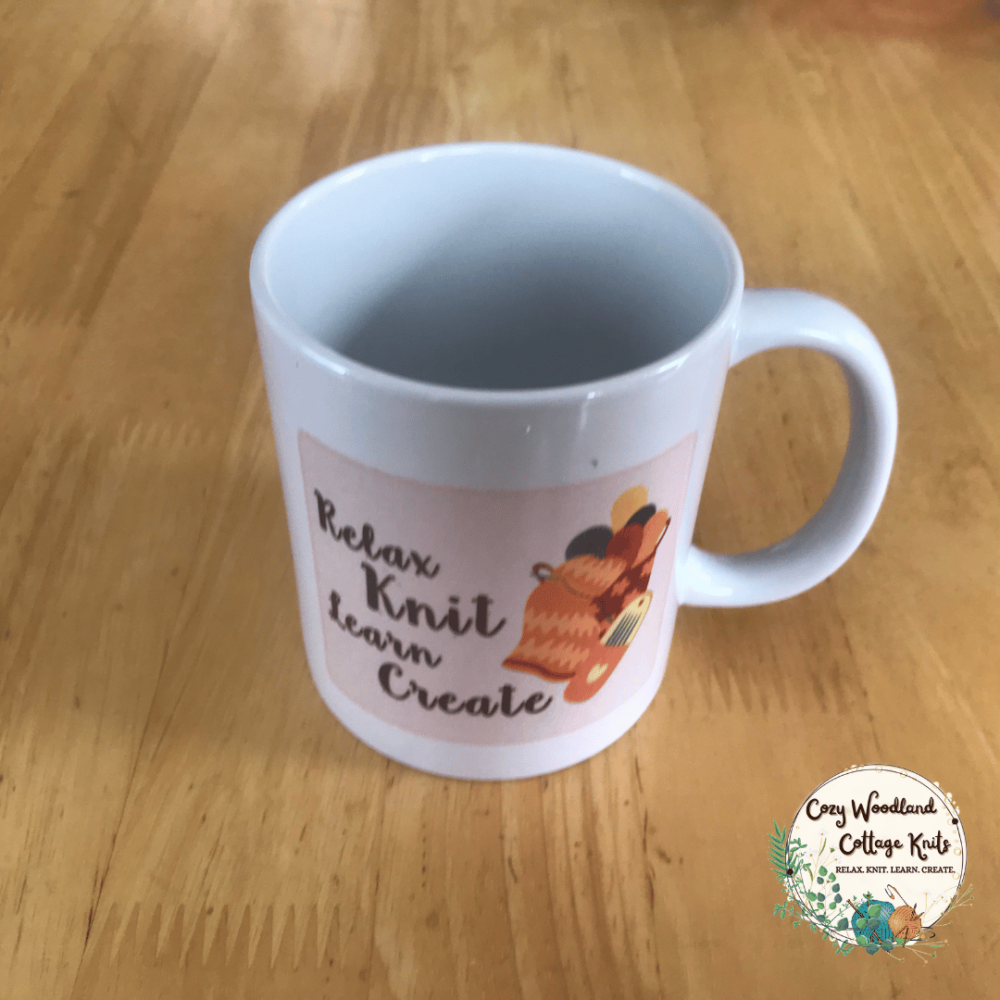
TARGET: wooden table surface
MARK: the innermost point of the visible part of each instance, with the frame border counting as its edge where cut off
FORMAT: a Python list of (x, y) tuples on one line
[(180, 815)]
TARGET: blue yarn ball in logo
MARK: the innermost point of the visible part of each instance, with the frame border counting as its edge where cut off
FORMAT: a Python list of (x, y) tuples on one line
[(876, 932)]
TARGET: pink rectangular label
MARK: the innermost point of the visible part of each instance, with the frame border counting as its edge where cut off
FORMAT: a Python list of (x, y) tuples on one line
[(492, 617)]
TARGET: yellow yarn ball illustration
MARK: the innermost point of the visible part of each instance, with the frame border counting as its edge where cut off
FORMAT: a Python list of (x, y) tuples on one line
[(626, 505)]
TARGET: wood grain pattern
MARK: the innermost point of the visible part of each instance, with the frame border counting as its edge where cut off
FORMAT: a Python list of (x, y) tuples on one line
[(179, 813)]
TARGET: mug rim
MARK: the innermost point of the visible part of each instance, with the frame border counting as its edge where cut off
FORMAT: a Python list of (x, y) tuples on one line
[(300, 340)]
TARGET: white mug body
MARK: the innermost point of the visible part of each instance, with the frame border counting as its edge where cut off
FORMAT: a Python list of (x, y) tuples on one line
[(471, 537)]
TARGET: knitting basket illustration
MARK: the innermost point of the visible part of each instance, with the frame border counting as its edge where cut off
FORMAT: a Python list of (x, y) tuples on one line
[(583, 615)]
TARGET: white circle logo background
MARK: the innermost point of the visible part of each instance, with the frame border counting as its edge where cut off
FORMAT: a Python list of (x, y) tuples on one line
[(848, 797)]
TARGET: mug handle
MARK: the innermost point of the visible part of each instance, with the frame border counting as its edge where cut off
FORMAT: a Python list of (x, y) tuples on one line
[(777, 317)]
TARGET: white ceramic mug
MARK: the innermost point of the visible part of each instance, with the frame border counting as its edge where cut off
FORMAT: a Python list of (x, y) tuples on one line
[(494, 372)]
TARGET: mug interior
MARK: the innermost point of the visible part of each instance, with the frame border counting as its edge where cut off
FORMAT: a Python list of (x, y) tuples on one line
[(498, 266)]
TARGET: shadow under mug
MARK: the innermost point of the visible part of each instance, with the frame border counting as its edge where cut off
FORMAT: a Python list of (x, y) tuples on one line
[(494, 372)]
